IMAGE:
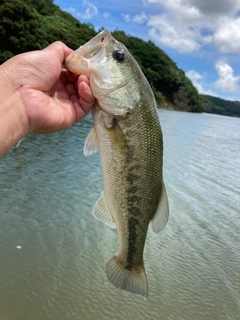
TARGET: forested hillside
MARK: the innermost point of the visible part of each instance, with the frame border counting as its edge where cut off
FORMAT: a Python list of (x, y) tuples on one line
[(221, 106), (33, 24)]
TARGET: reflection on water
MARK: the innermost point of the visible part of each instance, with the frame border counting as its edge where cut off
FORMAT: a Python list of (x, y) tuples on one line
[(47, 190)]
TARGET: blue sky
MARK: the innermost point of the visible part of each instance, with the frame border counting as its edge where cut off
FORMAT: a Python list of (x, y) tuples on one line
[(201, 36)]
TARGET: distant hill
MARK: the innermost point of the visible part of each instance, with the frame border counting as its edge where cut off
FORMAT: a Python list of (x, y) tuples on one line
[(33, 24), (221, 106)]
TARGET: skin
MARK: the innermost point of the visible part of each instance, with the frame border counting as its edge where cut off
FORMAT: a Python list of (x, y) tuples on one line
[(38, 96), (129, 137)]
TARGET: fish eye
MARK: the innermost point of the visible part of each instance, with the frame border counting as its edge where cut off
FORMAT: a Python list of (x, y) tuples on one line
[(119, 55)]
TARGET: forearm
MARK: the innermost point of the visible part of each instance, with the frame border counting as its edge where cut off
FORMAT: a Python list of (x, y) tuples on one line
[(13, 119)]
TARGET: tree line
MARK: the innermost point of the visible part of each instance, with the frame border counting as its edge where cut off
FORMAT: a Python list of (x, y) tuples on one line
[(27, 25)]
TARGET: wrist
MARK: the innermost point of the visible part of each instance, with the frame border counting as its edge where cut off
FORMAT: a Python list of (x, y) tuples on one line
[(13, 118)]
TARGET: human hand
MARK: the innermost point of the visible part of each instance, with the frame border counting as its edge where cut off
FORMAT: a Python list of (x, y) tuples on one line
[(38, 95), (53, 98)]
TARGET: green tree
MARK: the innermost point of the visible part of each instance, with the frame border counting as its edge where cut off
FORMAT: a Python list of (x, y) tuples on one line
[(33, 24), (181, 100), (18, 27)]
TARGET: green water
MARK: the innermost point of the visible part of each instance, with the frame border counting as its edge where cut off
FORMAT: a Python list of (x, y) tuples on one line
[(47, 190)]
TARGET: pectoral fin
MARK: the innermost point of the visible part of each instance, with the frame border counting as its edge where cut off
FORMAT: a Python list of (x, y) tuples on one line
[(160, 218), (101, 212), (91, 143)]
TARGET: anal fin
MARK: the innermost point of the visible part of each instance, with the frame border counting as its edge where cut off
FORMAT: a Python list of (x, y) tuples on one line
[(161, 216), (101, 212)]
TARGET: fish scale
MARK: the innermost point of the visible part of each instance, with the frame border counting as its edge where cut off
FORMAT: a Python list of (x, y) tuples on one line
[(128, 135)]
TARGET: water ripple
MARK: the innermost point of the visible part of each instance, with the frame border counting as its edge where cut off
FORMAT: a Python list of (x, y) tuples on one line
[(53, 252)]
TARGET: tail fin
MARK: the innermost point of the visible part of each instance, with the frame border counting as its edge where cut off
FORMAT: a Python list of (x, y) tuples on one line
[(134, 281)]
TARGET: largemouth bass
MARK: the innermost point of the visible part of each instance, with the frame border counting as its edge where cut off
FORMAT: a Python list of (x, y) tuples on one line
[(128, 134)]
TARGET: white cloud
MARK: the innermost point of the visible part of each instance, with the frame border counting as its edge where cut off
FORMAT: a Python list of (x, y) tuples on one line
[(126, 17), (210, 93), (90, 10), (216, 7), (227, 82), (198, 82), (106, 15), (193, 75), (227, 36), (179, 26), (196, 78), (184, 25), (72, 11), (210, 7), (187, 25), (140, 18), (174, 35)]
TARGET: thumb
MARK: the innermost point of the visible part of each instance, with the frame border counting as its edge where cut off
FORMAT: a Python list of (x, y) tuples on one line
[(59, 49)]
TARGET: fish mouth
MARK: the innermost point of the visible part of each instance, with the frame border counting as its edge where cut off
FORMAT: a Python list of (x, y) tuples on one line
[(80, 61), (100, 39), (76, 63)]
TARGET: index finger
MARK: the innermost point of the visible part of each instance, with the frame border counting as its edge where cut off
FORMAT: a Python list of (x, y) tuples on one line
[(68, 76)]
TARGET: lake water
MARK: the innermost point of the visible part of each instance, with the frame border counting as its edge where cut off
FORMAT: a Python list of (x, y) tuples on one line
[(53, 252)]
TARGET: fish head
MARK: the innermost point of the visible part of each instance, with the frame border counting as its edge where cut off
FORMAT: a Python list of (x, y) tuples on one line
[(113, 72)]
